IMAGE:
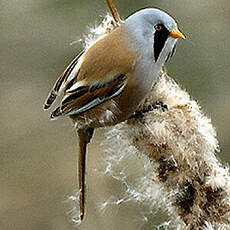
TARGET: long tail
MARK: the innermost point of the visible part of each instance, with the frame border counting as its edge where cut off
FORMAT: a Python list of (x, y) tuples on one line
[(84, 136)]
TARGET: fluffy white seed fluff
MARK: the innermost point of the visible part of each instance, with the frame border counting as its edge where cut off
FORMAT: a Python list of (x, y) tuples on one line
[(176, 147)]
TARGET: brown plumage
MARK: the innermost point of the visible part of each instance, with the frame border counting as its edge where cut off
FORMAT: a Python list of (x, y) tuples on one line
[(96, 77)]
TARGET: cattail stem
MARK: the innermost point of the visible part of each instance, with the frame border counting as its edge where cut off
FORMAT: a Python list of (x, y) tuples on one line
[(182, 170), (113, 11)]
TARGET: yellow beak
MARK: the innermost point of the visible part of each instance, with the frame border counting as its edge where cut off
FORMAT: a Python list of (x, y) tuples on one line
[(176, 34)]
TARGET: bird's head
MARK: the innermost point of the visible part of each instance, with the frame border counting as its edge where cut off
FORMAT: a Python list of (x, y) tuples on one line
[(154, 31)]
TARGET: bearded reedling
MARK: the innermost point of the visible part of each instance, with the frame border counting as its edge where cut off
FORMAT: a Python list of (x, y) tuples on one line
[(106, 83)]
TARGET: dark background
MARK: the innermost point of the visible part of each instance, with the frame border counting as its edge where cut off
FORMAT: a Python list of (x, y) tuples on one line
[(38, 163)]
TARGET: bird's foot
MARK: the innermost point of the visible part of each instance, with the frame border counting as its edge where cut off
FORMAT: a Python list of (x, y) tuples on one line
[(158, 105)]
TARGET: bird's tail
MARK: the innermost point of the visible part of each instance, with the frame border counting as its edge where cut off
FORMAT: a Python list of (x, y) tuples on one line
[(84, 136)]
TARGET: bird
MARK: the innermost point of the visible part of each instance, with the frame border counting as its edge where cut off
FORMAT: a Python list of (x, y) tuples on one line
[(105, 83)]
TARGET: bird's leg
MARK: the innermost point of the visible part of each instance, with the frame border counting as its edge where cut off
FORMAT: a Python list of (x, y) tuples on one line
[(160, 105), (84, 136), (140, 113), (137, 115)]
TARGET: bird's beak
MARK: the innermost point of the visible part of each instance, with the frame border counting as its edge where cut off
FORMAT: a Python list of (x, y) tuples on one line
[(177, 34)]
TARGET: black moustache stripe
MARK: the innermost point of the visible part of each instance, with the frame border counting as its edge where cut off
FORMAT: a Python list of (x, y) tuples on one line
[(160, 38)]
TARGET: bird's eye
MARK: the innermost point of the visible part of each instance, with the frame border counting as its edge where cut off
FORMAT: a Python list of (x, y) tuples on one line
[(158, 27)]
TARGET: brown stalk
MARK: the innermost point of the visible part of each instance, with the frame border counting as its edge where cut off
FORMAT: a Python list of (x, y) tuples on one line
[(113, 11)]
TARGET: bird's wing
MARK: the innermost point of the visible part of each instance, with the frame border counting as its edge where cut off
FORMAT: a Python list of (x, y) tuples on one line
[(82, 97), (61, 81), (98, 75)]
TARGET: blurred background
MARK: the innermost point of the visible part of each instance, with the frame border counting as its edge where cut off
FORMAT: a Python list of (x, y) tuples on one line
[(38, 162)]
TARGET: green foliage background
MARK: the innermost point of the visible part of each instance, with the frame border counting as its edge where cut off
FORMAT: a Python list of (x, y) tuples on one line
[(38, 164)]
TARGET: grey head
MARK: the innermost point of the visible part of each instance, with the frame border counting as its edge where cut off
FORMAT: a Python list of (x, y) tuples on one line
[(154, 33)]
